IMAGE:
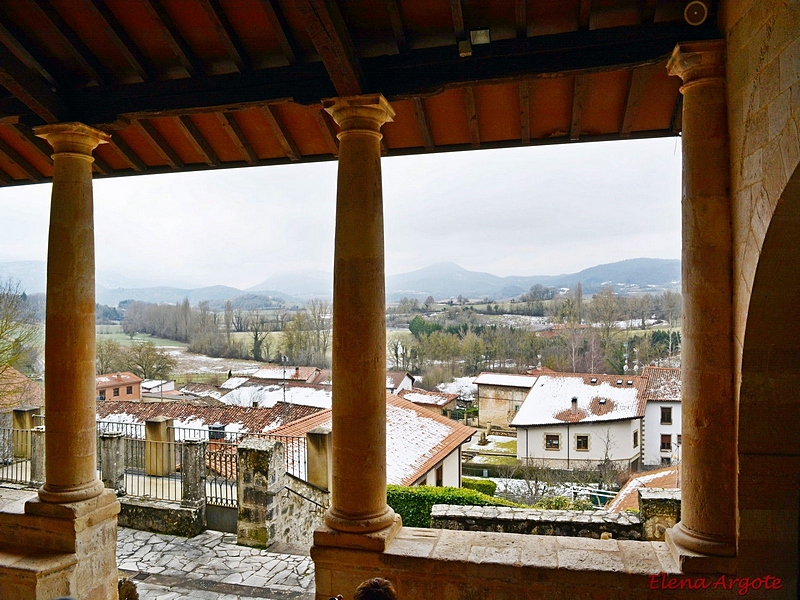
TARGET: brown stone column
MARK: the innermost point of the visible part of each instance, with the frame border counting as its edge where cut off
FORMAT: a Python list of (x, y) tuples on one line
[(708, 511), (70, 338), (358, 497)]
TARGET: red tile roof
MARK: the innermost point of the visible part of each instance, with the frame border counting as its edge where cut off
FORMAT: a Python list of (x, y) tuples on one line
[(426, 398), (252, 420), (109, 380), (399, 430), (628, 497), (663, 384)]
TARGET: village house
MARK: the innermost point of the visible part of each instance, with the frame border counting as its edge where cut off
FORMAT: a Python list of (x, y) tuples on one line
[(157, 386), (422, 447), (573, 420), (354, 81), (439, 402), (256, 393), (628, 499), (662, 438), (278, 373), (397, 381), (500, 396), (119, 386)]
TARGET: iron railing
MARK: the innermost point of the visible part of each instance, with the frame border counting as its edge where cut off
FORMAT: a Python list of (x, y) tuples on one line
[(15, 455)]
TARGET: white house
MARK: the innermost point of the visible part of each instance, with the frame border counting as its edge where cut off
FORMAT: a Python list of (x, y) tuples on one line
[(157, 386), (570, 420), (662, 417), (398, 380)]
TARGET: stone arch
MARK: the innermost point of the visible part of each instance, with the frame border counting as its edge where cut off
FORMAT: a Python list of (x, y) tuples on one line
[(769, 402)]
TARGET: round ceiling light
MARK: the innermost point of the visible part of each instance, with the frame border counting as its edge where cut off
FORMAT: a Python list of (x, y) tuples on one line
[(696, 12)]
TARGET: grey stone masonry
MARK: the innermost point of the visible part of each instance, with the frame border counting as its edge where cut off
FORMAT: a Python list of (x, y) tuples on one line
[(659, 509), (112, 461), (261, 476), (193, 467), (37, 455), (569, 523)]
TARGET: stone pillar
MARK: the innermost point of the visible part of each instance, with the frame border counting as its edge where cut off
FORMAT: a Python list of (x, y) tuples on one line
[(319, 456), (708, 512), (112, 461), (37, 473), (70, 340), (260, 477), (193, 471), (358, 495), (159, 447), (22, 423)]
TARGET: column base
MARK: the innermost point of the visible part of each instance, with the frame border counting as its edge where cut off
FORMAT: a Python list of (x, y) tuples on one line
[(56, 495), (376, 541), (696, 553)]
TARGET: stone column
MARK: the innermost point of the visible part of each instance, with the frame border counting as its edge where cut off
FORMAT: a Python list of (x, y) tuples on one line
[(358, 497), (193, 469), (37, 473), (112, 461), (70, 340), (708, 512)]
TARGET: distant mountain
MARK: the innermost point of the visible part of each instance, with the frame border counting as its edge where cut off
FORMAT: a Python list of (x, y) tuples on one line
[(31, 274), (448, 280), (300, 283), (216, 294)]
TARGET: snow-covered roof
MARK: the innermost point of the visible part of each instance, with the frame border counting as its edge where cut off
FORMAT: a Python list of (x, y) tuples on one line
[(505, 379), (663, 384), (418, 396), (267, 395), (394, 379), (151, 383), (233, 383), (203, 390), (628, 496), (116, 379), (416, 439), (463, 386), (288, 372), (600, 398)]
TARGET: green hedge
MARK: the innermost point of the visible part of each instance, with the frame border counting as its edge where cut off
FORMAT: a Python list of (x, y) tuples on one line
[(484, 486), (414, 503), (563, 503)]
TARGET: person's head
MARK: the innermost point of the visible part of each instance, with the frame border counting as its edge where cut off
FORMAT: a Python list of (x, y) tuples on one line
[(375, 589)]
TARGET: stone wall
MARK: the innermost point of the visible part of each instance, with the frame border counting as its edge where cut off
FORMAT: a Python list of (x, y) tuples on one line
[(299, 511), (569, 523), (161, 516)]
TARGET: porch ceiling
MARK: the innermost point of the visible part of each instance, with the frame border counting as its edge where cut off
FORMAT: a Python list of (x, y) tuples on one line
[(195, 84)]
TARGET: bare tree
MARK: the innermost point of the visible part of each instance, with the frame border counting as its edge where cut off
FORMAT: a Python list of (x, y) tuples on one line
[(319, 314), (20, 335), (604, 311), (258, 325), (149, 361)]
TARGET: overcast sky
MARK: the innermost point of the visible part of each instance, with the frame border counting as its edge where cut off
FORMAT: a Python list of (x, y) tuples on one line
[(541, 210)]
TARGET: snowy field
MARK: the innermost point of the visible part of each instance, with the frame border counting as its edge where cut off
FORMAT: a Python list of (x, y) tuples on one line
[(200, 363)]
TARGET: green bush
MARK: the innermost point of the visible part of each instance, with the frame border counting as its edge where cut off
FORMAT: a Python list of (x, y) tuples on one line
[(484, 486), (563, 503), (414, 503)]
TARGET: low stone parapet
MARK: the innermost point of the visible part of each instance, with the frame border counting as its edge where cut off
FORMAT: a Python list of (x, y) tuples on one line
[(568, 523)]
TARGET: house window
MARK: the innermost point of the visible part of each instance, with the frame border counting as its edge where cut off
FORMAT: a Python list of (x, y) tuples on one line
[(116, 391), (635, 439), (666, 415), (582, 442), (679, 439), (666, 461), (552, 441), (440, 476), (666, 442), (102, 394), (129, 390)]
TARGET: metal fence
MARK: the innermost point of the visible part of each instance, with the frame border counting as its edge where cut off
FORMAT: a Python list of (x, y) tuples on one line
[(221, 471), (15, 455), (153, 469)]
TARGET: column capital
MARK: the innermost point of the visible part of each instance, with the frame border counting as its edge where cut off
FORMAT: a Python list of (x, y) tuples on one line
[(692, 61), (367, 112), (73, 137)]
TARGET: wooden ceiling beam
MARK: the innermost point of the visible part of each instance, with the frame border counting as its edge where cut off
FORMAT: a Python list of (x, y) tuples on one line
[(472, 117), (227, 34), (328, 32), (83, 55), (637, 85), (127, 153), (197, 140), (282, 133), (26, 135), (424, 124), (101, 166), (163, 148), (397, 25), (522, 18), (458, 20), (578, 96), (281, 30), (328, 131), (647, 11), (19, 160), (237, 136), (525, 111), (176, 42), (19, 44), (584, 14), (123, 42), (5, 177), (31, 89), (399, 76)]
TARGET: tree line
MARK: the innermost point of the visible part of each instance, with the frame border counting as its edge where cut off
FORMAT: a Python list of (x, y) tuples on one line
[(305, 334)]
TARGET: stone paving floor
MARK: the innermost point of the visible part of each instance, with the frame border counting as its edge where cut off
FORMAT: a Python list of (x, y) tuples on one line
[(211, 566)]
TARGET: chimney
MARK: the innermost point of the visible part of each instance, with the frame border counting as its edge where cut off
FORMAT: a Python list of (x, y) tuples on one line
[(297, 372), (574, 405), (119, 376)]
